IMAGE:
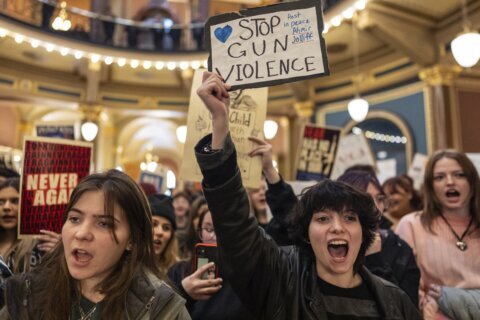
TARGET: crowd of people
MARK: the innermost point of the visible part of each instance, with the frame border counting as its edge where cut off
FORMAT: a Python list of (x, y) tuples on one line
[(345, 249)]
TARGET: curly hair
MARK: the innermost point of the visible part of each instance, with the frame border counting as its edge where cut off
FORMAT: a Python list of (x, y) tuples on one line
[(336, 196)]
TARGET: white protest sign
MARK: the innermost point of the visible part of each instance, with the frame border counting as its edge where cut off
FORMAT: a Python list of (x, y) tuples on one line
[(353, 149), (475, 158), (248, 110), (268, 45), (417, 169), (386, 169)]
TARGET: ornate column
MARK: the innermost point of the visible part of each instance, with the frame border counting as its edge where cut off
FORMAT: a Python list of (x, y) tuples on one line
[(442, 112)]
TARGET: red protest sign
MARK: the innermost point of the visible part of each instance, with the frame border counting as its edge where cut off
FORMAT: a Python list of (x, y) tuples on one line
[(317, 152), (51, 170)]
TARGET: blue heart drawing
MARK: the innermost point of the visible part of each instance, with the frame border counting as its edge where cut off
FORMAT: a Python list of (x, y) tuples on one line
[(222, 34)]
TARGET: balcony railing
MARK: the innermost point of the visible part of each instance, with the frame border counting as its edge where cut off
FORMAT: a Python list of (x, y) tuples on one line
[(155, 28)]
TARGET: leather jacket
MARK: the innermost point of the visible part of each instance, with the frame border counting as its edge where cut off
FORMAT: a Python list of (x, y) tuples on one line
[(271, 282)]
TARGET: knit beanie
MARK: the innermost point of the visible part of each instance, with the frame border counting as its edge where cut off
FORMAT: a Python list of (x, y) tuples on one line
[(161, 206)]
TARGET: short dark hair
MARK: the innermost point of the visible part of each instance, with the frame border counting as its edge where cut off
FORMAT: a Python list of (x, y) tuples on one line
[(8, 173), (11, 182), (336, 196)]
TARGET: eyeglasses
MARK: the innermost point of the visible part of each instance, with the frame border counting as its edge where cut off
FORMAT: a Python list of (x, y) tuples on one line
[(382, 199), (206, 234)]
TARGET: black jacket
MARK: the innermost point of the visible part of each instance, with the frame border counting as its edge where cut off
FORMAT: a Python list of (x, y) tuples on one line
[(272, 283), (223, 305), (395, 262)]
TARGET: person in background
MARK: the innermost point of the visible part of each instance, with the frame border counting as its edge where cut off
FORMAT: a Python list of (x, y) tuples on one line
[(20, 255), (181, 204), (334, 224), (445, 235), (199, 205), (165, 244), (258, 204), (104, 267), (208, 298), (389, 257), (403, 198), (185, 232)]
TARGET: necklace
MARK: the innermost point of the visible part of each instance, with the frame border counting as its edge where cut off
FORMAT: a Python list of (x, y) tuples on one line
[(88, 315), (461, 244)]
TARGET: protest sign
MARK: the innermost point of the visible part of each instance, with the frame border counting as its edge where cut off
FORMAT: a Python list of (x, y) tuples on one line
[(417, 169), (56, 131), (387, 169), (51, 170), (475, 158), (154, 179), (317, 152), (268, 45), (353, 149), (248, 110)]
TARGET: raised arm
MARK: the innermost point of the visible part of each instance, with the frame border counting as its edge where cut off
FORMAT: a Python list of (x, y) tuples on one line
[(250, 260), (280, 196)]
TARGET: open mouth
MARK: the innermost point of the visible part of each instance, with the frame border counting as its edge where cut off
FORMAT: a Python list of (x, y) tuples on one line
[(452, 194), (82, 255), (157, 242), (338, 249)]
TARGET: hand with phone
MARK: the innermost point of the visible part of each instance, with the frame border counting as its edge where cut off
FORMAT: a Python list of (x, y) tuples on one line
[(199, 288)]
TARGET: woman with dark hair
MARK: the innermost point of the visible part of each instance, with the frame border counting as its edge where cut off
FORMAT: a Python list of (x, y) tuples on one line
[(334, 224), (207, 297), (20, 255), (403, 198), (389, 257), (165, 244), (104, 266), (445, 236)]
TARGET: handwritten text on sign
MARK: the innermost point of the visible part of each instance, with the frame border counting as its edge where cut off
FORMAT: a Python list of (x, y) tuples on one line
[(254, 50)]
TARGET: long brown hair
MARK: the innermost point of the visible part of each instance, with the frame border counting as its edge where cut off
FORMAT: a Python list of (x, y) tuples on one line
[(168, 257), (433, 207), (59, 291)]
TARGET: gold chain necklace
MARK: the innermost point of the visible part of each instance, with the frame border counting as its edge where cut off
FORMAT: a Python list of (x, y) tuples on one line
[(88, 315)]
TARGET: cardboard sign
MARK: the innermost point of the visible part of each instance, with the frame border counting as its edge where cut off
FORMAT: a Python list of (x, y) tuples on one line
[(417, 169), (268, 45), (317, 153), (154, 179), (248, 110), (352, 150), (52, 168), (475, 158), (386, 169), (56, 131)]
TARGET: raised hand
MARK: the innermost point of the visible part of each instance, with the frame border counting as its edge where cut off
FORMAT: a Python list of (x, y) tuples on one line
[(264, 150), (199, 288), (48, 240), (213, 92)]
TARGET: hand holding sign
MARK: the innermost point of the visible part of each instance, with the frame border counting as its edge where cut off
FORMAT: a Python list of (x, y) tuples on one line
[(268, 45), (214, 95)]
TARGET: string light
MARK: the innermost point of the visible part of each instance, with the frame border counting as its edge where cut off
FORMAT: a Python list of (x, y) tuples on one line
[(171, 65), (108, 60), (134, 64), (121, 62), (385, 137)]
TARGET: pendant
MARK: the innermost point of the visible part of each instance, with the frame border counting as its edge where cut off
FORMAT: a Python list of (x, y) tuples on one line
[(462, 245)]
